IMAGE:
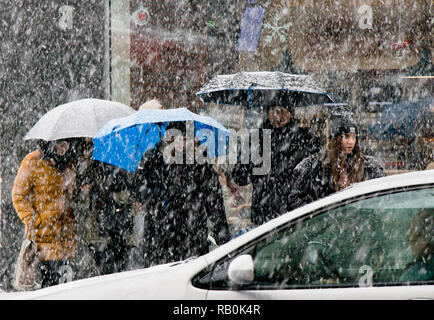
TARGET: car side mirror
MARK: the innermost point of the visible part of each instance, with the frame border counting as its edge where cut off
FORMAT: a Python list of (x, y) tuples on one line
[(241, 270)]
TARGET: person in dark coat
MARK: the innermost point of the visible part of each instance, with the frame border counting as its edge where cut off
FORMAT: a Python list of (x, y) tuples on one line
[(335, 167), (290, 144), (108, 220), (182, 204)]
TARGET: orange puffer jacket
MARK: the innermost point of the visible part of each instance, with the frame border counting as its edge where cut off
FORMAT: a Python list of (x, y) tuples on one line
[(41, 198)]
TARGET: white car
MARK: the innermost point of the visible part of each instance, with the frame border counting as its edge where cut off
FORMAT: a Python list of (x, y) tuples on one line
[(354, 244)]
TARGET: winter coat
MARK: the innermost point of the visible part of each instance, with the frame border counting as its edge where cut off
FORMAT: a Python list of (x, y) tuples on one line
[(311, 181), (41, 197), (180, 201), (108, 216), (289, 145)]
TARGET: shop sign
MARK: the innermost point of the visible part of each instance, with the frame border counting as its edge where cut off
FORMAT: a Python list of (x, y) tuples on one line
[(401, 48), (141, 16)]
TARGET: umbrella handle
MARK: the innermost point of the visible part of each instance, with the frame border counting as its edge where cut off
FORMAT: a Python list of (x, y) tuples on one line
[(250, 96)]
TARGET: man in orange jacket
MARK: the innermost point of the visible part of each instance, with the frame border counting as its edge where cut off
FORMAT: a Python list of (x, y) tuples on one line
[(41, 196)]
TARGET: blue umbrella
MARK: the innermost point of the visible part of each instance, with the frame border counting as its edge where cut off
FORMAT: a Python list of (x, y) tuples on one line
[(402, 119), (122, 142)]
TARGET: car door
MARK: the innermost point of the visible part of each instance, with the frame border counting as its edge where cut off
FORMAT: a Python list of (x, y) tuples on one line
[(359, 249)]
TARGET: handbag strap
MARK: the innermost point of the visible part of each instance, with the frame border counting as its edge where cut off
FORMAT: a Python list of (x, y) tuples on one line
[(31, 225)]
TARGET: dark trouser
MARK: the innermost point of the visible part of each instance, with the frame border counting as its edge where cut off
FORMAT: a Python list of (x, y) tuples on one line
[(54, 272), (115, 223), (112, 257)]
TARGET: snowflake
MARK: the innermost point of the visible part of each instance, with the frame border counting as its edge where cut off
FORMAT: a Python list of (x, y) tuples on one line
[(280, 31)]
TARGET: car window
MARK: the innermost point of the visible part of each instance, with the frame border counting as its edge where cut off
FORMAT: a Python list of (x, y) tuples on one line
[(363, 243)]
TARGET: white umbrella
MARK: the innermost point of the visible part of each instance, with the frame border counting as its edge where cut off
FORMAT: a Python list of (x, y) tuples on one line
[(80, 118)]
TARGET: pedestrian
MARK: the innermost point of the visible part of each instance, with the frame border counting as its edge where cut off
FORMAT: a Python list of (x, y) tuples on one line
[(112, 222), (290, 143), (91, 243), (41, 195), (335, 167), (138, 209), (108, 220), (182, 203)]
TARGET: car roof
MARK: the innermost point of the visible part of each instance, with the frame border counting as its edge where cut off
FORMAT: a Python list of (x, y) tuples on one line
[(392, 182), (397, 181)]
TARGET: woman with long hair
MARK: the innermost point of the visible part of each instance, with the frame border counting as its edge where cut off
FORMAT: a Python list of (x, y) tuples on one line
[(344, 160), (336, 167)]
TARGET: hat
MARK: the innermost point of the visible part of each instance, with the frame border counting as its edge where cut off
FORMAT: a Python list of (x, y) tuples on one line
[(151, 104), (342, 124)]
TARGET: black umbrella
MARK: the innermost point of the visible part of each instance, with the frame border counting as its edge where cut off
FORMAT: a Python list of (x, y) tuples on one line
[(263, 89)]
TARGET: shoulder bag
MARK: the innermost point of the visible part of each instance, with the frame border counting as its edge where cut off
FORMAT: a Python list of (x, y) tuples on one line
[(26, 270)]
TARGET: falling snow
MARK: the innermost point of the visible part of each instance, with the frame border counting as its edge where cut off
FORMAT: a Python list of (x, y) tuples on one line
[(374, 61)]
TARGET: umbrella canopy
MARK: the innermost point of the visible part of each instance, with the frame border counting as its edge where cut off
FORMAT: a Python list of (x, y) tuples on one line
[(80, 118), (122, 142), (403, 119), (264, 88)]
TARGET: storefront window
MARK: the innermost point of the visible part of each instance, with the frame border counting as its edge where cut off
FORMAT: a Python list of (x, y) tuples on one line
[(368, 55)]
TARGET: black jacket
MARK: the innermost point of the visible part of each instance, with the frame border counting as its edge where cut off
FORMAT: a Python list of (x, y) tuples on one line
[(289, 145), (311, 181), (114, 218), (180, 201)]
